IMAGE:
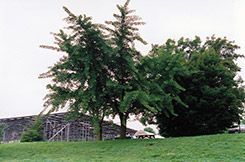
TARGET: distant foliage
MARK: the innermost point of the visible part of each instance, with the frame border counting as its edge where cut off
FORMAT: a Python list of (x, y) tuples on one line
[(243, 121), (2, 130), (34, 133), (150, 130)]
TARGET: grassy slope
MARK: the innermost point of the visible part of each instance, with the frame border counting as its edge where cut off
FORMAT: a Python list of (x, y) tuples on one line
[(225, 147)]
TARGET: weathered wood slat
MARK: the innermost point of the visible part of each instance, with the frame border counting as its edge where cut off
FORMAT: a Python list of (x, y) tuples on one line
[(68, 124)]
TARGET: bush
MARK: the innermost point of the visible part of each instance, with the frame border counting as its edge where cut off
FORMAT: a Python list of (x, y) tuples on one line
[(2, 130), (34, 133)]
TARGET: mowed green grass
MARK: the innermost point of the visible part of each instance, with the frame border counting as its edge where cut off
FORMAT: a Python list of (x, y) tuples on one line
[(217, 148)]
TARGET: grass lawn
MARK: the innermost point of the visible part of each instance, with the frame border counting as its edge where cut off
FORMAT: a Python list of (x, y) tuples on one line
[(216, 148)]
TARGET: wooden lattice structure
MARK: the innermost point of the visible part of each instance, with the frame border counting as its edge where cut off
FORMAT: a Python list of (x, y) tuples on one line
[(57, 128)]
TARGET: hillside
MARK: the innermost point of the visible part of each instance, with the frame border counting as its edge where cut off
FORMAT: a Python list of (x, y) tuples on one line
[(224, 147)]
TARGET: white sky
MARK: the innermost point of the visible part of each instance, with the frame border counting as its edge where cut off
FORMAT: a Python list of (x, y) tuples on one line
[(26, 24)]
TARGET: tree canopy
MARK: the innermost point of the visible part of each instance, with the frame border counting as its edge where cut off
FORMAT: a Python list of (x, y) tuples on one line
[(212, 93), (126, 92), (80, 77), (185, 87)]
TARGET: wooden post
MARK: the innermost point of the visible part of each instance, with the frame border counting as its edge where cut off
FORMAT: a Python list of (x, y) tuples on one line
[(68, 134)]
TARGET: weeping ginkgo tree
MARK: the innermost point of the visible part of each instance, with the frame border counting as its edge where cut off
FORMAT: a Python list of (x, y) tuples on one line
[(79, 78)]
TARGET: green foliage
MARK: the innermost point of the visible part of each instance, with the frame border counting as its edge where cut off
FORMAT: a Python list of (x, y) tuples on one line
[(115, 127), (213, 96), (2, 130), (161, 71), (80, 77), (186, 87), (214, 148), (34, 133), (243, 122), (148, 129)]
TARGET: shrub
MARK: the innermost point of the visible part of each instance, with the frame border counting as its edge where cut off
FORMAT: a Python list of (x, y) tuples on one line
[(2, 130), (34, 133)]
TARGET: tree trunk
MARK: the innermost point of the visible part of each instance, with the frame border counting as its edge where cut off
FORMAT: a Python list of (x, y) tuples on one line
[(98, 128), (123, 121), (99, 133)]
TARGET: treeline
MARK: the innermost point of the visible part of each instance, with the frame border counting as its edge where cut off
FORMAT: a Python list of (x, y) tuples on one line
[(185, 87)]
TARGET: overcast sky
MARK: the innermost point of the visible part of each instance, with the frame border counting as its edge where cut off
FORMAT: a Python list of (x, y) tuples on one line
[(26, 24)]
